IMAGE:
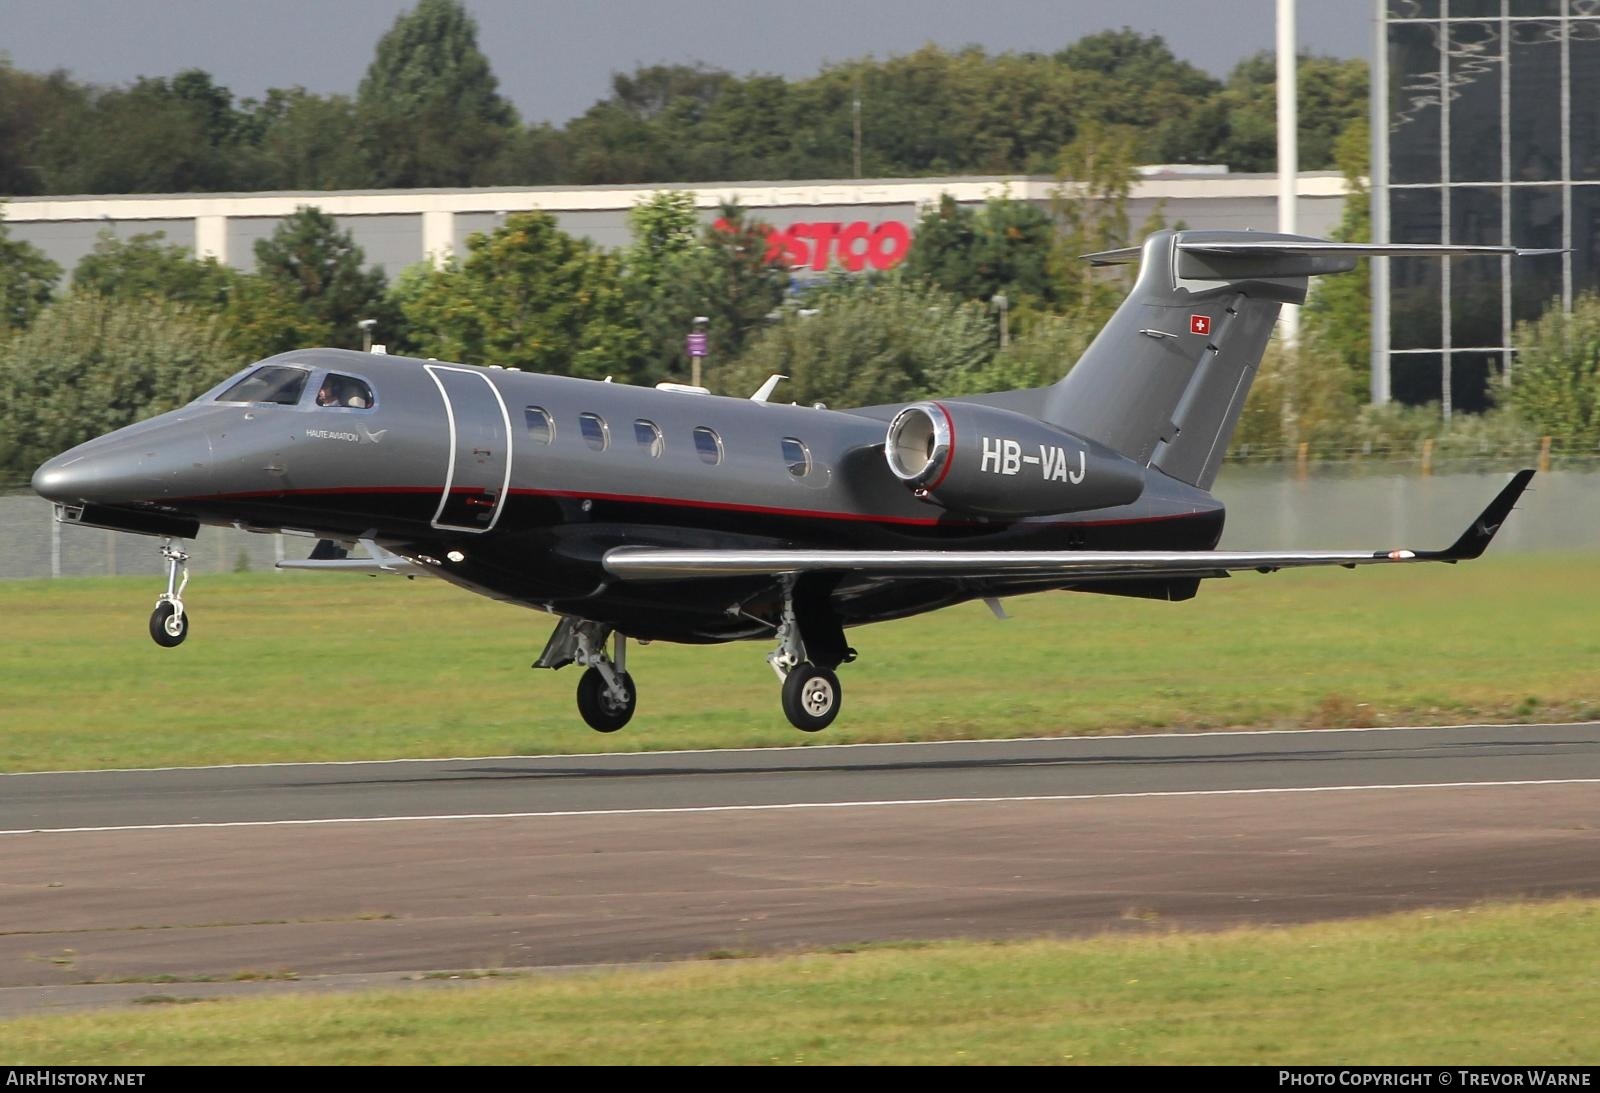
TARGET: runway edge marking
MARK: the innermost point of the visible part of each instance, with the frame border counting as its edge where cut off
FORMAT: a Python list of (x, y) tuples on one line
[(693, 809)]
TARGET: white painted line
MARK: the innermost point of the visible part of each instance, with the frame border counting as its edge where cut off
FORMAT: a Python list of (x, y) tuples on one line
[(593, 755), (789, 807)]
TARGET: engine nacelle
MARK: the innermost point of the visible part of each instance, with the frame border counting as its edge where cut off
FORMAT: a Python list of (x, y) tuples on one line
[(993, 462)]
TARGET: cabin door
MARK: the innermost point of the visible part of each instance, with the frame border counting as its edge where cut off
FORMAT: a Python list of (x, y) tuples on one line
[(479, 471)]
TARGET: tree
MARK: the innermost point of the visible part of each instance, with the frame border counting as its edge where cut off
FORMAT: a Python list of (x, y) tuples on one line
[(1331, 94), (859, 342), (429, 105), (737, 282), (528, 296), (157, 136), (309, 288), (27, 280), (93, 363), (142, 265), (1002, 247), (1555, 386), (1090, 205), (659, 271), (1337, 318), (304, 141)]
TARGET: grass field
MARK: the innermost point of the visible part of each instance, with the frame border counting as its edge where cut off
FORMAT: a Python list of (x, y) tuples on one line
[(317, 666), (1507, 985)]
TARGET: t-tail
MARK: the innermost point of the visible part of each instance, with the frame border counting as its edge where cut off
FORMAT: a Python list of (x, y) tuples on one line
[(1165, 380)]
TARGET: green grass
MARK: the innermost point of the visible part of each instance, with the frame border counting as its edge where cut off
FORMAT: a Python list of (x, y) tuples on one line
[(316, 667), (1512, 984)]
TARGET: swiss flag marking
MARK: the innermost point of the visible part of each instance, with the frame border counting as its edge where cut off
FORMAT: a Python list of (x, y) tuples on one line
[(1199, 324)]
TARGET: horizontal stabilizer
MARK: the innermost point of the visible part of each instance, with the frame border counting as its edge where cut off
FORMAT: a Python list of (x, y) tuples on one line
[(1359, 250), (652, 564)]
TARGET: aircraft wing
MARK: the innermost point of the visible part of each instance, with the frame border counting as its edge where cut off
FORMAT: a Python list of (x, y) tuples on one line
[(652, 564)]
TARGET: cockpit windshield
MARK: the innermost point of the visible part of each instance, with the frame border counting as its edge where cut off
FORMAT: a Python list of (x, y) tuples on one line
[(337, 390), (270, 383)]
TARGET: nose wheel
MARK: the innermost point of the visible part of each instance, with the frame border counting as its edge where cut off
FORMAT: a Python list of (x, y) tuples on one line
[(169, 622)]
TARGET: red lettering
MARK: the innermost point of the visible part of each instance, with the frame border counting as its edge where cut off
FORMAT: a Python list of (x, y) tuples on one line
[(889, 244), (855, 245), (854, 257)]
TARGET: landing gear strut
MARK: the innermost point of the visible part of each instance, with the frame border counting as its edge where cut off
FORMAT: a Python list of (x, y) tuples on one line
[(606, 694), (169, 622), (811, 691)]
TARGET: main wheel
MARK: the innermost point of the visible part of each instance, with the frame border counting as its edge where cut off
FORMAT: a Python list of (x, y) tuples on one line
[(167, 627), (811, 697), (603, 712)]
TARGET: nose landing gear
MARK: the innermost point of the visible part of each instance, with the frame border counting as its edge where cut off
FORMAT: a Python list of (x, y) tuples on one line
[(169, 622)]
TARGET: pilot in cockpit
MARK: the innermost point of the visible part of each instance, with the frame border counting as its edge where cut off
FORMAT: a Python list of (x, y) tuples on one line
[(342, 391)]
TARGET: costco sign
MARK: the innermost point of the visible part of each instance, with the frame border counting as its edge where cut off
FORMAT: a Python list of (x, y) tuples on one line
[(855, 246)]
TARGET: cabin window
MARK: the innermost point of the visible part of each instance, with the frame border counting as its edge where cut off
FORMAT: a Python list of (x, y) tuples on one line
[(541, 430), (273, 383), (344, 391), (648, 434), (708, 444), (797, 456), (595, 432)]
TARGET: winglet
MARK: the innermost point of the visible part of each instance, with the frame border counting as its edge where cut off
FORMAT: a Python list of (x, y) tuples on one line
[(1475, 540)]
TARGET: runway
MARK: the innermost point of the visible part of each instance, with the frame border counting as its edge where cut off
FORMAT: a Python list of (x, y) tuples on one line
[(378, 868)]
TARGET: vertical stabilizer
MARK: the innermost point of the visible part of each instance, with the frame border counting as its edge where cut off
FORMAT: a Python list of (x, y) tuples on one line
[(1166, 378)]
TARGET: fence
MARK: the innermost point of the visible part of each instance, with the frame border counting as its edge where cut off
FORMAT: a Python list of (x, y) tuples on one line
[(1269, 508)]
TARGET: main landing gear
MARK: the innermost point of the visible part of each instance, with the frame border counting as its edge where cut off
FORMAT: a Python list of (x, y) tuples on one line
[(169, 622), (811, 690), (810, 646)]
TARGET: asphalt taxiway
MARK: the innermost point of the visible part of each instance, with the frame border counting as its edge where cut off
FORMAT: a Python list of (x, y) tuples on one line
[(375, 869)]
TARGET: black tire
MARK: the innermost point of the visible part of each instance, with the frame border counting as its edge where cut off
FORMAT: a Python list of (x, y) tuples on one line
[(596, 705), (811, 697), (167, 627)]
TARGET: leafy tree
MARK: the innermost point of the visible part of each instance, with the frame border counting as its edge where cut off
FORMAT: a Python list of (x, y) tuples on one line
[(1555, 385), (93, 363), (1337, 317), (660, 270), (528, 296), (1332, 94), (142, 265), (309, 287), (1090, 206), (27, 280), (157, 136), (30, 106), (303, 141), (1139, 82), (860, 342), (737, 281), (430, 109), (975, 253)]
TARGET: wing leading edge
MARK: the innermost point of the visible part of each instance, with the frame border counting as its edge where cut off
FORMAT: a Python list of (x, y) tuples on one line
[(652, 564)]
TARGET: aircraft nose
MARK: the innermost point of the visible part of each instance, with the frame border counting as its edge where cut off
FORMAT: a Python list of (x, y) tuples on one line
[(121, 470), (61, 479)]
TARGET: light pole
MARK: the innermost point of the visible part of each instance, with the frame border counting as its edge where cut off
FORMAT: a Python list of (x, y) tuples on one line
[(1003, 306), (366, 326), (697, 347)]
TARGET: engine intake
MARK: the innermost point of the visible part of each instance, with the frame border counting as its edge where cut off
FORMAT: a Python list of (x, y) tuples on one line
[(991, 462)]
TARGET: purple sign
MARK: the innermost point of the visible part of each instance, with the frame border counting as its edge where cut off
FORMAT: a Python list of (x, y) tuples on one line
[(697, 345)]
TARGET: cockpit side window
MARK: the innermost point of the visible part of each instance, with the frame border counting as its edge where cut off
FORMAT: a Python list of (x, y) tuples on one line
[(277, 383), (344, 391)]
